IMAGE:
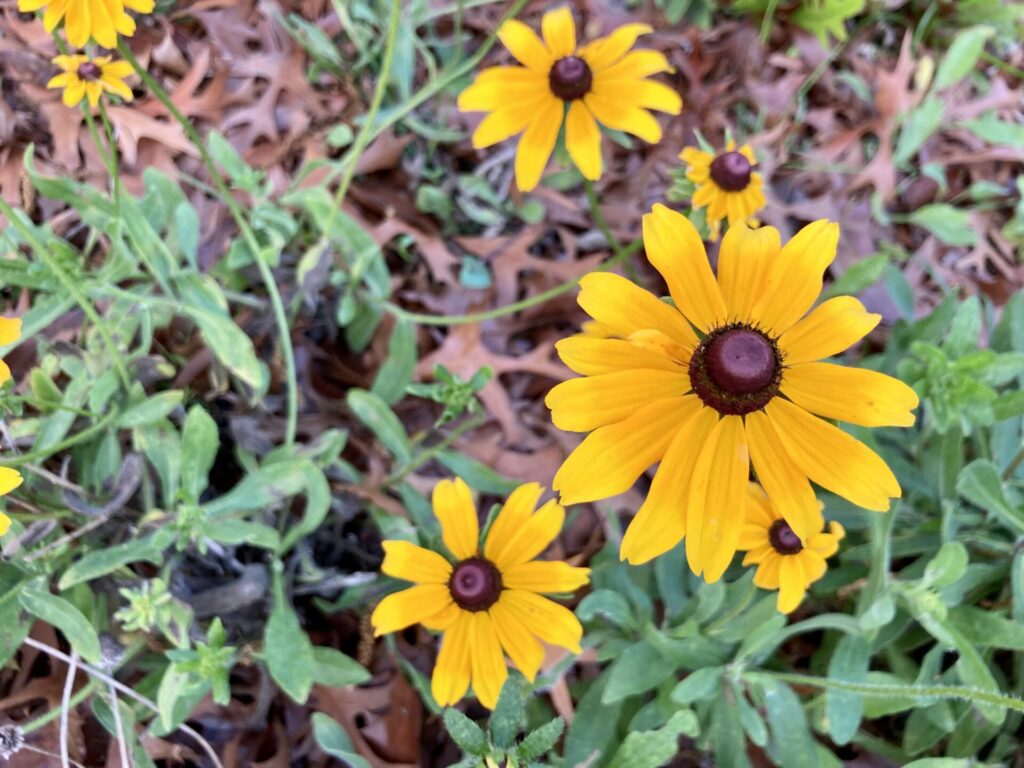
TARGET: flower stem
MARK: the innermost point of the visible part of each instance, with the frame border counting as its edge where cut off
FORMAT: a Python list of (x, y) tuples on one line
[(258, 253)]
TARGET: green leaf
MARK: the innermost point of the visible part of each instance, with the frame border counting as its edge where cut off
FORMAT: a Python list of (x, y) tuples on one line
[(541, 741), (991, 129), (639, 668), (464, 732), (397, 371), (981, 484), (333, 740), (477, 475), (843, 709), (727, 732), (827, 17), (381, 420), (609, 605), (243, 532), (951, 225), (199, 444), (100, 562), (919, 126), (59, 613), (698, 686), (509, 716), (333, 668), (150, 410), (858, 277), (286, 647), (962, 56), (791, 737), (594, 729), (650, 749), (948, 565)]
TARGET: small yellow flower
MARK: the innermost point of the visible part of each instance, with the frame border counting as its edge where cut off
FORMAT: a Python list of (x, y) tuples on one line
[(727, 185), (85, 78), (489, 602), (726, 378), (785, 561), (101, 20), (10, 331), (601, 82)]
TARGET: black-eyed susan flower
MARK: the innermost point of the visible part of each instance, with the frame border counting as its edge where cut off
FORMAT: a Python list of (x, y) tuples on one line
[(85, 78), (100, 20), (726, 184), (487, 600), (726, 378), (10, 331), (560, 83), (785, 561)]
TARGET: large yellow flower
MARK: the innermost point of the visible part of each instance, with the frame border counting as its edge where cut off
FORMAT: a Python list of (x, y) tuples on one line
[(726, 184), (85, 78), (489, 602), (785, 561), (101, 20), (599, 82), (725, 378), (10, 331)]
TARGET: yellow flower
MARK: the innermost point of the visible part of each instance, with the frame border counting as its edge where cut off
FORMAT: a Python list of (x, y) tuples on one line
[(489, 602), (10, 331), (785, 561), (726, 184), (101, 20), (725, 378), (89, 78), (599, 82)]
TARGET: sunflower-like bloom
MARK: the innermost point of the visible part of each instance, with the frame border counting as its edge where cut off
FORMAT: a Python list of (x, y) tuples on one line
[(101, 20), (725, 378), (488, 602), (727, 184), (601, 82), (85, 78), (785, 561), (10, 331)]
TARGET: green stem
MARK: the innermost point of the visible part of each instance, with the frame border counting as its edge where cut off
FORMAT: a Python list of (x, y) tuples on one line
[(880, 534), (78, 437), (874, 690), (277, 305), (429, 453), (108, 130), (1014, 463), (48, 717), (73, 290), (600, 221), (1000, 64), (516, 306)]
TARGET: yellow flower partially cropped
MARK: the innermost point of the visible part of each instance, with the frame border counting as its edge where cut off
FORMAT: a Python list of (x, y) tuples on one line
[(487, 600), (561, 82), (85, 78), (785, 561), (726, 378), (10, 332), (726, 183), (100, 20)]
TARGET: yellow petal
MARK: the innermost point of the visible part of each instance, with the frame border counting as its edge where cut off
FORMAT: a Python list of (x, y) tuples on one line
[(813, 564), (452, 670), (753, 536), (589, 402), (634, 66), (93, 91), (140, 6), (591, 356), (794, 280), (536, 144), (545, 576), (583, 140), (514, 514), (646, 94), (525, 46), (695, 157), (605, 51), (28, 6), (489, 669), (404, 560), (455, 510), (743, 263), (675, 249), (530, 539), (716, 511), (410, 606), (5, 372), (118, 69), (58, 81), (856, 395), (832, 327), (521, 645), (10, 330), (792, 584), (498, 86), (55, 11), (115, 85), (623, 117), (832, 458), (827, 544), (77, 23), (785, 483), (74, 93), (9, 480), (551, 622), (440, 622), (5, 523), (661, 521), (611, 458), (559, 32), (510, 119), (767, 574), (621, 304)]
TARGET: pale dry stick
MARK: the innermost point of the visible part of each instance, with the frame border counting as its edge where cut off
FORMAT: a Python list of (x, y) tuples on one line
[(122, 747), (124, 689), (65, 708)]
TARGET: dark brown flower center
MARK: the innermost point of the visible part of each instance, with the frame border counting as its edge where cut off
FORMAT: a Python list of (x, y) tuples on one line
[(736, 369), (570, 78), (783, 539), (731, 171), (90, 71), (475, 584)]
